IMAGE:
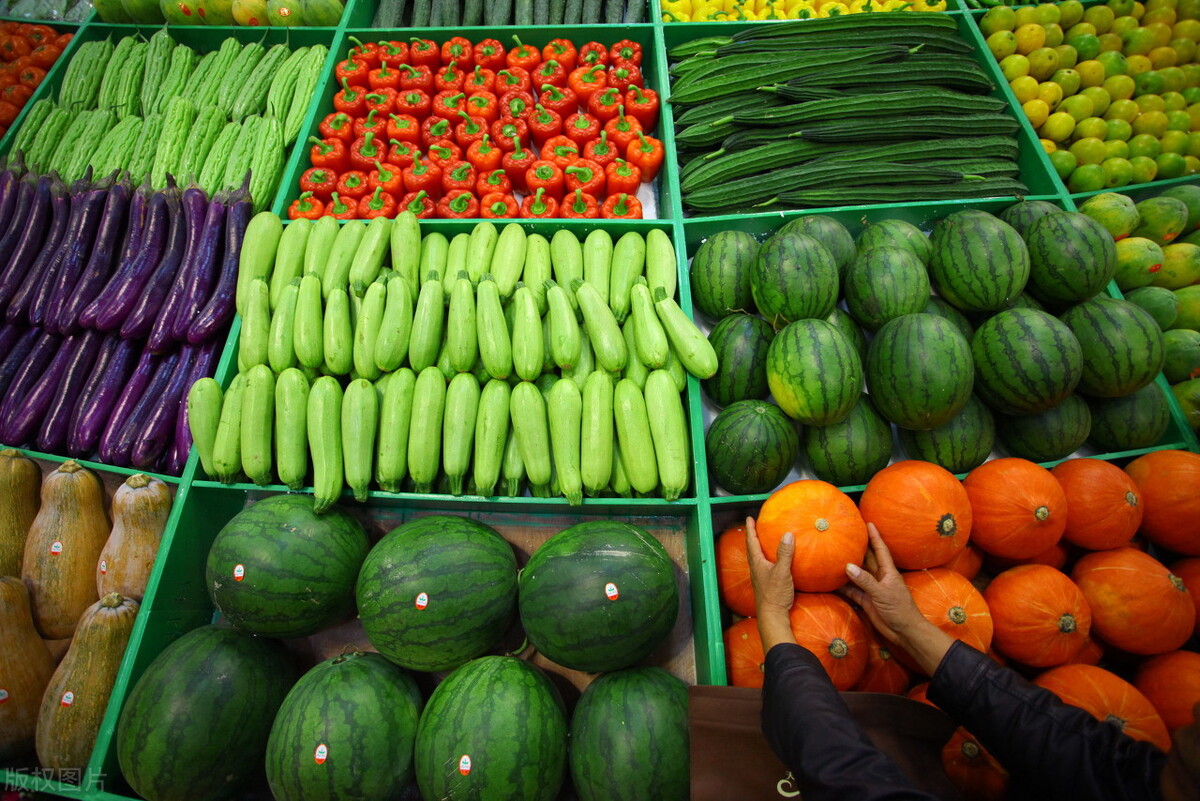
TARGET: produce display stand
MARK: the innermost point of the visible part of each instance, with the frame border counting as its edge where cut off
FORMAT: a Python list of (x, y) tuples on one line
[(176, 600)]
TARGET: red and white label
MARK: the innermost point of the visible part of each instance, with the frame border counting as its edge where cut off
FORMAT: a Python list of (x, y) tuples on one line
[(610, 591), (55, 548), (3, 695), (68, 698), (422, 600), (239, 572), (321, 754), (464, 764), (103, 567)]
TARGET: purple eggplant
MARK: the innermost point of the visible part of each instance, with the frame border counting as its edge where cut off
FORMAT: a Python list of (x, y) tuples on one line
[(22, 201), (76, 256), (9, 335), (220, 307), (124, 289), (203, 366), (39, 305), (121, 451), (203, 271), (30, 412), (10, 183), (26, 251), (99, 265), (138, 217), (14, 358), (28, 372), (195, 211), (60, 216), (113, 368), (143, 314), (154, 429), (131, 393), (56, 423)]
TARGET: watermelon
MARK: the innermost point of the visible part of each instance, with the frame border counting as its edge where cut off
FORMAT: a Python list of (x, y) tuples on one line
[(919, 371), (1180, 266), (1188, 395), (1137, 420), (352, 710), (793, 278), (1122, 346), (850, 452), (437, 591), (629, 738), (599, 596), (195, 725), (280, 570), (1182, 361), (1051, 435), (883, 283), (960, 445), (978, 262), (326, 13), (1138, 259), (1117, 213), (1190, 195), (940, 308), (495, 728), (895, 233), (1162, 304), (830, 233), (1022, 215), (720, 273), (1071, 258), (1161, 219), (1026, 361), (741, 342), (751, 447), (1026, 301), (1189, 308), (814, 372), (842, 321)]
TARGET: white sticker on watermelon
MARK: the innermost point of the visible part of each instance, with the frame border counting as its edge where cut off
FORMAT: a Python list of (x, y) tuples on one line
[(3, 695), (464, 764), (321, 754), (239, 572), (422, 600), (610, 591)]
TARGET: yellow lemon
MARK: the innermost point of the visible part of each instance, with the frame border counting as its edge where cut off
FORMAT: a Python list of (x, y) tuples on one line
[(1054, 35), (1150, 122), (1048, 14), (1185, 50), (1191, 165), (1043, 62), (1014, 66), (1069, 12), (1080, 107), (1036, 111), (1145, 169), (1122, 24), (1051, 93), (1067, 79), (1162, 15), (1100, 99), (1002, 43), (1119, 87), (1122, 109), (1047, 146), (1117, 172), (1110, 43), (1090, 128), (998, 18), (1025, 89), (1057, 127), (1091, 73), (1100, 17), (1030, 37), (1026, 15), (1150, 103), (1137, 64), (1067, 55), (1174, 142)]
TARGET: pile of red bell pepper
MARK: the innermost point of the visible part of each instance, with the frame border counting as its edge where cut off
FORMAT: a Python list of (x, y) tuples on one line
[(478, 130)]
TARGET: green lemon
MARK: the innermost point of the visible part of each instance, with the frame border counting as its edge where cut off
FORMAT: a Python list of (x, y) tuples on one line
[(1100, 17), (1170, 165), (1064, 163), (1174, 101), (1119, 87), (1144, 145), (1069, 12), (1115, 149), (1080, 107), (998, 18), (1148, 83), (1150, 103), (1014, 66), (1193, 148), (1150, 122), (1173, 79), (1117, 172), (1087, 178), (1114, 63), (1179, 121), (1090, 128), (1058, 127), (1067, 79), (1191, 165), (1118, 130), (1174, 142), (1089, 150), (1144, 169), (1100, 99)]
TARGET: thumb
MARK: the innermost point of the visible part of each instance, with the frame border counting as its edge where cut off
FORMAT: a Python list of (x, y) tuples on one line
[(787, 546), (862, 579)]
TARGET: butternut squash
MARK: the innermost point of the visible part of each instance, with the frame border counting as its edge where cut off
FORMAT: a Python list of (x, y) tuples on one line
[(77, 696), (25, 670), (140, 508), (64, 544), (20, 483)]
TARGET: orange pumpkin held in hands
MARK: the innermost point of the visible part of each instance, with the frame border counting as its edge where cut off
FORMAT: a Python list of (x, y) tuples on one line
[(1172, 683), (920, 693), (733, 571), (828, 626), (1168, 481), (829, 532), (1137, 604), (1107, 698), (971, 769), (966, 562), (921, 510), (1040, 616), (1104, 507), (1019, 508), (950, 602), (1188, 571), (884, 673), (744, 655)]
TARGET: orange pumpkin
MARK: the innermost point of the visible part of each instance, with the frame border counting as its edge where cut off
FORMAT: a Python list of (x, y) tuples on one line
[(1018, 506), (733, 572), (951, 603), (921, 693), (744, 657), (828, 626), (1104, 507), (1168, 481), (1108, 698), (1090, 653), (829, 532), (974, 771), (1188, 571), (1172, 683), (966, 562), (1137, 605), (883, 673), (1040, 616), (921, 510)]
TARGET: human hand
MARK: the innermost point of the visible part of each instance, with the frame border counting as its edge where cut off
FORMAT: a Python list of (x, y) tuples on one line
[(773, 587), (882, 594)]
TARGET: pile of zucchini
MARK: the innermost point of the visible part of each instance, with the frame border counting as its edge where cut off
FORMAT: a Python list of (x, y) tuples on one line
[(871, 108), (453, 13)]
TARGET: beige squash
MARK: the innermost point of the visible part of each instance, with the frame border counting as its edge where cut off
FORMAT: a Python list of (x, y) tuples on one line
[(140, 508), (25, 670), (20, 484)]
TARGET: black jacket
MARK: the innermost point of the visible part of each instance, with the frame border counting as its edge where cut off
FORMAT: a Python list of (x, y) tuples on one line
[(1050, 749)]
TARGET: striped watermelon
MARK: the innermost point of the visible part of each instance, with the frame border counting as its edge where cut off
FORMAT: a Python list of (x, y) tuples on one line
[(741, 342), (850, 452), (842, 321), (280, 570), (1122, 346), (815, 374), (1026, 301), (351, 711), (1162, 304), (1071, 258), (195, 725), (1051, 435), (1026, 361), (599, 596), (896, 233), (751, 447), (830, 233), (883, 283), (1137, 420), (495, 728), (978, 263), (720, 273), (940, 308), (1182, 347), (1022, 215), (793, 278), (919, 371), (629, 738), (437, 591), (960, 445)]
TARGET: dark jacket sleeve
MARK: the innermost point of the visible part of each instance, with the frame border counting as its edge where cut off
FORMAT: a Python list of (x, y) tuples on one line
[(810, 728), (1051, 749)]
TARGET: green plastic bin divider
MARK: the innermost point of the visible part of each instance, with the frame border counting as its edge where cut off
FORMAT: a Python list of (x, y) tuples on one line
[(50, 83), (1139, 192), (107, 468)]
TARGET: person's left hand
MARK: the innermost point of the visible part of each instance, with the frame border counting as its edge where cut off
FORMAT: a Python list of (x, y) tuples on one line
[(773, 587)]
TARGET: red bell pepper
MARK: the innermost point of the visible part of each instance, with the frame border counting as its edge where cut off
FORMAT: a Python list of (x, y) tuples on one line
[(386, 177), (374, 121), (457, 206), (436, 129), (579, 206), (585, 81), (562, 100), (458, 175), (623, 129), (517, 162), (494, 181), (338, 125), (318, 181), (415, 78), (545, 175), (647, 153), (456, 48), (393, 53), (365, 151), (539, 206), (351, 100), (422, 174), (424, 53), (471, 129), (562, 150), (351, 69), (626, 75), (523, 56), (352, 184), (605, 105), (448, 104), (402, 154), (384, 77), (513, 79), (377, 204), (600, 150), (642, 105), (306, 207), (483, 105), (489, 54), (621, 207), (549, 72), (420, 204), (366, 52), (481, 80), (403, 127), (623, 177), (484, 155), (449, 78), (444, 153), (498, 206), (591, 54), (329, 153), (544, 124), (339, 209), (563, 51), (581, 128), (626, 50), (381, 100), (504, 131), (516, 105), (585, 175)]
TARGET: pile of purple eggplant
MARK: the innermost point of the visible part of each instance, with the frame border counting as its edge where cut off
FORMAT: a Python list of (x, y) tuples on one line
[(116, 299)]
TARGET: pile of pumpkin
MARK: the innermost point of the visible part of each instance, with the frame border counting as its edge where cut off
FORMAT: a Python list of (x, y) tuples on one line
[(1068, 584), (70, 583)]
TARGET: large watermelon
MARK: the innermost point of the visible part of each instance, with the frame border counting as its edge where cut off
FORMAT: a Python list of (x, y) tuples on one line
[(849, 452), (895, 233), (599, 596), (195, 726), (720, 273), (740, 342), (1122, 346), (815, 374), (1024, 214), (629, 738), (842, 321), (751, 447), (1071, 258), (885, 282), (1182, 355), (919, 371), (280, 570), (794, 278), (1138, 260), (830, 233), (1117, 213), (978, 263), (1053, 434), (1137, 420), (1025, 361), (346, 730), (960, 445), (1162, 304), (940, 308), (437, 591), (494, 730)]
